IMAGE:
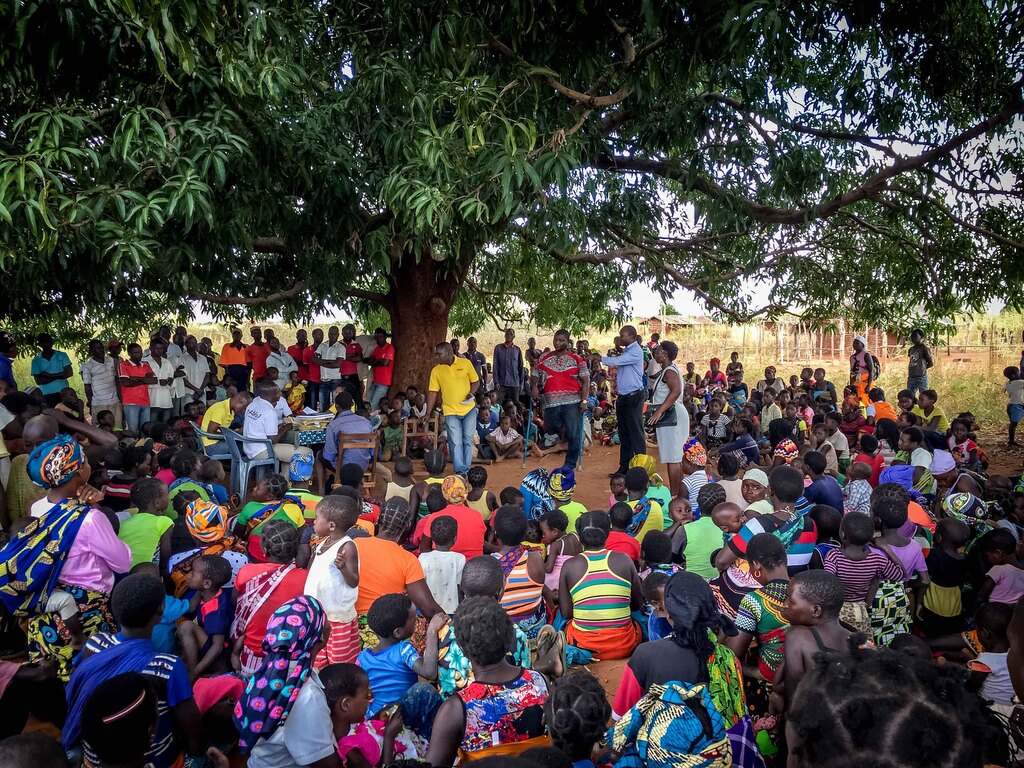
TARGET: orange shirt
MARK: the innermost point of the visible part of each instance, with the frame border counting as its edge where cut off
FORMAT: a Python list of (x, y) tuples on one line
[(917, 514), (384, 568), (231, 356), (884, 411)]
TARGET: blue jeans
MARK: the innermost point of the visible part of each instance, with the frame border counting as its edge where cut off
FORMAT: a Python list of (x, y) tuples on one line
[(567, 417), (375, 393), (135, 416), (219, 450), (460, 439), (327, 393), (916, 383)]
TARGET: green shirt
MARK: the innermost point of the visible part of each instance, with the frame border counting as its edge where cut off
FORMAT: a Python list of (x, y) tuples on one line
[(662, 495), (703, 537), (286, 511), (142, 533), (572, 510)]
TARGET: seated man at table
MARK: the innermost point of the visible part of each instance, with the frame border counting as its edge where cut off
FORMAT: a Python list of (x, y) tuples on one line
[(263, 421), (347, 422)]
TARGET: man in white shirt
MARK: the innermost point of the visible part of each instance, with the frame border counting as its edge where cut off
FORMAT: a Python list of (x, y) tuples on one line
[(263, 421), (102, 391), (281, 360), (329, 356), (192, 386), (161, 394)]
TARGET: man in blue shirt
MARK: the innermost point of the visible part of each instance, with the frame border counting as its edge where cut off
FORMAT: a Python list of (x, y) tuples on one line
[(629, 405), (51, 369), (8, 351), (346, 423), (475, 357)]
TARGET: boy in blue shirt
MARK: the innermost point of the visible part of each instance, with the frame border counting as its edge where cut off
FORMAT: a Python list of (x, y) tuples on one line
[(394, 664), (204, 642)]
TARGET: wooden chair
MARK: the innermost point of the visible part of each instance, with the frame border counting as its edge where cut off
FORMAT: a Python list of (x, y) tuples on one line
[(326, 476), (415, 428)]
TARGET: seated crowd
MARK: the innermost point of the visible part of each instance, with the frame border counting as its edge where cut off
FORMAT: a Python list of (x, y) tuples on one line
[(824, 580)]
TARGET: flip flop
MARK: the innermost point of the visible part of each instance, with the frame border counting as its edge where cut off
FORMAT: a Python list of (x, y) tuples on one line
[(560, 642)]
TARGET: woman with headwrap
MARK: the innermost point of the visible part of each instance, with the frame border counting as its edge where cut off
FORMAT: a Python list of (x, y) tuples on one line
[(60, 567), (469, 538), (670, 419), (561, 486), (388, 568), (693, 656), (536, 497), (283, 717), (206, 523), (262, 588)]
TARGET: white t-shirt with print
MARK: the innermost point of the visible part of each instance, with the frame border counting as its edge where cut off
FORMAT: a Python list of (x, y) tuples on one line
[(262, 421)]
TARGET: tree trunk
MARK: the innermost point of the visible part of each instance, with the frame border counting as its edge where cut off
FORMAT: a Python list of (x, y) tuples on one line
[(419, 300)]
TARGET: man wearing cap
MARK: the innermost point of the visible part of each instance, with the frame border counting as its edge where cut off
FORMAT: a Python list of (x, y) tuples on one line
[(102, 387), (382, 360)]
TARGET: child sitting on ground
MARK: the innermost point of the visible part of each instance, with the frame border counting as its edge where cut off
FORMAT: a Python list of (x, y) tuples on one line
[(433, 462), (656, 555), (442, 568), (620, 516), (213, 474), (860, 570), (561, 546), (360, 741), (869, 455), (823, 489), (1004, 582), (505, 441), (148, 531), (401, 483), (942, 613), (857, 493), (479, 498), (963, 448), (577, 711), (827, 521), (511, 496), (391, 435), (653, 588), (203, 643), (825, 448), (394, 665), (990, 673)]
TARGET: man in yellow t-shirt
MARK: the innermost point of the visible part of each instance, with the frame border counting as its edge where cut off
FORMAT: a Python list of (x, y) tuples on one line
[(455, 380), (219, 417)]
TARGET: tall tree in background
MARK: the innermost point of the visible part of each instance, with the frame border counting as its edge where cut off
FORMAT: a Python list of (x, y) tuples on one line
[(448, 161)]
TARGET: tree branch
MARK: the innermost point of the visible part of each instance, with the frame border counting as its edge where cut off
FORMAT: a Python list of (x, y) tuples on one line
[(252, 301)]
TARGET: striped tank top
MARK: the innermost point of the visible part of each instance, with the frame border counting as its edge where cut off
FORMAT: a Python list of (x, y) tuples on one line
[(522, 593), (600, 600)]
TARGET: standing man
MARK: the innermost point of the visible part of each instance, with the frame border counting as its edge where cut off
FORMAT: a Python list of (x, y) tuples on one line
[(313, 371), (563, 378), (349, 368), (196, 373), (327, 357), (100, 377), (51, 369), (475, 357), (256, 355), (281, 360), (298, 353), (382, 361), (8, 351), (509, 371), (629, 405), (161, 394), (920, 361), (233, 360), (532, 353), (455, 380), (456, 346)]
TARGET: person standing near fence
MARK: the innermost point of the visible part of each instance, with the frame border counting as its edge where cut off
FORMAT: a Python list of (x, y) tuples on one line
[(920, 361), (629, 405)]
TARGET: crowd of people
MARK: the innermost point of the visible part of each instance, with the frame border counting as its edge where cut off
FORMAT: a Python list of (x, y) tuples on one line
[(823, 576)]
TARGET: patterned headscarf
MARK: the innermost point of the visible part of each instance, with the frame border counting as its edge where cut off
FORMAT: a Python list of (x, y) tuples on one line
[(395, 517), (537, 500), (562, 484), (206, 521), (454, 489), (695, 453), (715, 361), (787, 450), (647, 463), (55, 462), (292, 632), (965, 507), (301, 468)]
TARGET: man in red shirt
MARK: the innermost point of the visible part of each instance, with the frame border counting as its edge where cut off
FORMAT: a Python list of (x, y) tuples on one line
[(563, 378), (297, 351), (349, 368), (382, 360), (313, 371), (256, 355)]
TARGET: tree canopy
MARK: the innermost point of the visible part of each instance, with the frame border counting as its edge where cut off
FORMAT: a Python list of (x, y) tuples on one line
[(452, 161)]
